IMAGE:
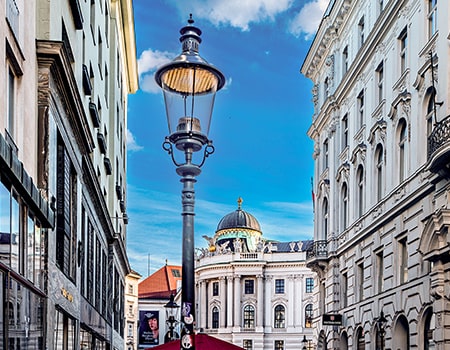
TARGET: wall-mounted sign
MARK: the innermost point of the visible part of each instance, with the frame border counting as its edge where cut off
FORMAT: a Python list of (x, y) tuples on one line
[(332, 320)]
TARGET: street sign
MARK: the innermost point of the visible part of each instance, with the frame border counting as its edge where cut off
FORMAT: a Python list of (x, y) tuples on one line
[(332, 320)]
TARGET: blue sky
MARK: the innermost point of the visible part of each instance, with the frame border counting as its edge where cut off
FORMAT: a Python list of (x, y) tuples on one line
[(259, 124)]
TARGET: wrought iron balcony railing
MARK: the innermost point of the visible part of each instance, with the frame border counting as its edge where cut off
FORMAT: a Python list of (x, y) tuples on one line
[(439, 145), (439, 136), (319, 250)]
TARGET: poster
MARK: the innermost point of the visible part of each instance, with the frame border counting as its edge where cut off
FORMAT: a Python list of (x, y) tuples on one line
[(148, 328)]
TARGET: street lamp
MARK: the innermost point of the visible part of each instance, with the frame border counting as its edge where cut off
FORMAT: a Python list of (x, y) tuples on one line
[(189, 84), (381, 324), (305, 342), (171, 319)]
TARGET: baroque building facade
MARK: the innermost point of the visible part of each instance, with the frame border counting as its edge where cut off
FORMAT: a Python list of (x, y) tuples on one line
[(131, 310), (68, 68), (380, 73), (251, 291)]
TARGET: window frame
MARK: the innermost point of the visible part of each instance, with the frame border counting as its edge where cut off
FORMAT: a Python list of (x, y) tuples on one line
[(279, 316), (279, 286)]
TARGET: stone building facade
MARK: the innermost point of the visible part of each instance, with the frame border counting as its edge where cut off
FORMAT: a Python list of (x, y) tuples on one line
[(380, 127), (251, 291), (69, 67)]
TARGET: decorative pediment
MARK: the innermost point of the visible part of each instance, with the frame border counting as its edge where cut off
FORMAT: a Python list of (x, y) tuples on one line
[(403, 100), (378, 133), (435, 240), (359, 154), (343, 172)]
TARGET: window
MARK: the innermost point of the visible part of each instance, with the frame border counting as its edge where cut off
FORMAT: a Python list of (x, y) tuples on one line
[(360, 341), (344, 131), (325, 155), (344, 60), (379, 171), (215, 317), (326, 87), (432, 17), (64, 332), (279, 286), (215, 288), (66, 212), (403, 260), (403, 38), (308, 315), (380, 271), (130, 288), (401, 150), (344, 209), (360, 190), (380, 80), (279, 317), (279, 345), (130, 330), (361, 108), (380, 6), (360, 279), (10, 98), (249, 316), (361, 32), (344, 289), (325, 218), (430, 111), (309, 284), (247, 344), (249, 286)]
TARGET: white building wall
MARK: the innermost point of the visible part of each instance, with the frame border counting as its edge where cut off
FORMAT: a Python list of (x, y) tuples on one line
[(367, 252), (263, 270)]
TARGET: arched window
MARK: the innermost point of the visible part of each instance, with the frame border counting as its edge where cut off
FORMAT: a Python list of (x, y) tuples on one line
[(379, 171), (402, 150), (360, 342), (279, 317), (360, 190), (325, 218), (308, 315), (249, 316), (400, 334), (215, 317), (344, 208), (430, 110), (429, 326)]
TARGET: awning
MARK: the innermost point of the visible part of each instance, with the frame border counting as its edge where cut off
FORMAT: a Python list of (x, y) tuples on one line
[(202, 342)]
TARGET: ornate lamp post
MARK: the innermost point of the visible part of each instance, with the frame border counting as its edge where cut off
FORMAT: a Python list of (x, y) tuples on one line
[(381, 324), (189, 84), (171, 319)]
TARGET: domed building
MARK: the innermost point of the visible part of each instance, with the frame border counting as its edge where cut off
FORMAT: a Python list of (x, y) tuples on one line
[(251, 291)]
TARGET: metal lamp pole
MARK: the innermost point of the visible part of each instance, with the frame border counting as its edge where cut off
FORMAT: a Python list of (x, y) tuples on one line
[(189, 84)]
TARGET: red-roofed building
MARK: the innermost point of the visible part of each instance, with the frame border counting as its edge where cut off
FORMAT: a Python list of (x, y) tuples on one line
[(154, 292)]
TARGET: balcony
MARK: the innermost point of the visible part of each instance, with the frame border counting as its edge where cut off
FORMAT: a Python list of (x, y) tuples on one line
[(439, 147), (102, 143), (317, 256), (76, 14)]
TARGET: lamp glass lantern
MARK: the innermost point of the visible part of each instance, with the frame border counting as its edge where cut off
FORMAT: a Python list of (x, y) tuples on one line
[(189, 85)]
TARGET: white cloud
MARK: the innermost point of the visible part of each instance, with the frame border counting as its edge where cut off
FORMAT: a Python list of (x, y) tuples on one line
[(131, 142), (148, 63), (308, 19), (236, 13)]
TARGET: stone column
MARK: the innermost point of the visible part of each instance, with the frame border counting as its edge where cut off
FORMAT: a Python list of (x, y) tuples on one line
[(203, 304), (237, 301), (291, 301), (230, 301), (268, 303), (260, 300), (223, 301)]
